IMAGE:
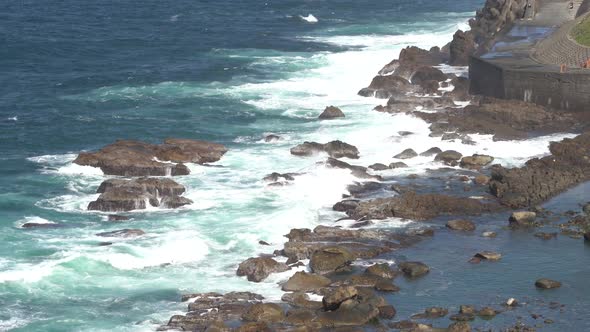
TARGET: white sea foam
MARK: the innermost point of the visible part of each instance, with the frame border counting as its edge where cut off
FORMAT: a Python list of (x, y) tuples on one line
[(27, 272), (12, 118), (309, 18)]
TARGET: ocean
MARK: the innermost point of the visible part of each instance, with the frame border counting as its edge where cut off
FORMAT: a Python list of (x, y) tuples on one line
[(77, 75)]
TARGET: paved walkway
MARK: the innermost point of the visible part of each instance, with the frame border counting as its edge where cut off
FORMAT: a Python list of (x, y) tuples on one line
[(560, 48)]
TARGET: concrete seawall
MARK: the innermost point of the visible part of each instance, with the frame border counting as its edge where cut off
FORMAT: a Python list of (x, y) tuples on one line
[(536, 83)]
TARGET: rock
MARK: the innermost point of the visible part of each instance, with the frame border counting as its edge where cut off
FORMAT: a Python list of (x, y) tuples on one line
[(122, 233), (410, 205), (489, 234), (414, 269), (346, 205), (586, 208), (301, 300), (462, 317), (335, 149), (398, 165), (263, 243), (405, 133), (546, 236), (487, 312), (358, 171), (459, 327), (29, 225), (482, 180), (387, 312), (134, 158), (522, 218), (466, 309), (350, 313), (382, 270), (426, 74), (331, 112), (404, 325), (257, 269), (116, 217), (545, 283), (461, 225), (488, 255), (431, 152), (462, 46), (336, 296), (264, 312), (432, 313), (274, 177), (450, 157), (386, 286), (476, 161), (587, 236), (305, 282), (272, 138), (387, 86), (330, 259), (511, 302), (174, 202), (406, 154), (378, 167)]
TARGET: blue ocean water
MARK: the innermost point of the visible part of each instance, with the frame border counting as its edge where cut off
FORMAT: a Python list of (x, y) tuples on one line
[(76, 75)]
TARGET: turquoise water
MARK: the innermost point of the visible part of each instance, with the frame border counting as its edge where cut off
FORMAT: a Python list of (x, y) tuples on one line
[(79, 74)]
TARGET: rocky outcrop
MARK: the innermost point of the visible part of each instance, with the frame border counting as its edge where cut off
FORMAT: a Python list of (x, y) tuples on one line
[(305, 282), (331, 112), (541, 179), (411, 58), (330, 259), (387, 86), (335, 149), (134, 158), (257, 269), (118, 195), (358, 171), (461, 48), (419, 207)]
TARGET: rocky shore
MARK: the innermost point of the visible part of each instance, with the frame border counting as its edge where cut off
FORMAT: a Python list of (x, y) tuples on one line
[(336, 282)]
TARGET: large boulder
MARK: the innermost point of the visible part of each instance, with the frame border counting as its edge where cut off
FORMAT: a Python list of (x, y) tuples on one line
[(425, 74), (461, 225), (258, 268), (545, 283), (522, 218), (305, 282), (117, 195), (382, 270), (449, 157), (330, 259), (476, 161), (335, 296), (331, 112), (461, 48), (414, 269), (406, 154), (135, 158), (264, 312), (335, 149)]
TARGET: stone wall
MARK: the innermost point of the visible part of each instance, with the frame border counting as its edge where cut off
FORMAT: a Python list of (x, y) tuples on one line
[(542, 85)]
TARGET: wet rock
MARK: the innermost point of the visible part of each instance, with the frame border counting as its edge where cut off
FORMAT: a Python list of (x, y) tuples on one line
[(305, 282), (358, 171), (406, 154), (405, 133), (482, 180), (487, 312), (31, 225), (545, 283), (335, 149), (387, 312), (404, 325), (461, 225), (134, 158), (263, 243), (466, 309), (459, 327), (546, 236), (398, 165), (336, 296), (462, 46), (350, 313), (257, 269), (587, 236), (387, 86), (301, 300), (522, 218), (511, 302), (410, 205), (330, 259), (431, 152), (126, 195), (432, 313), (540, 179), (382, 270), (122, 233), (346, 205), (116, 217), (331, 112), (462, 317), (414, 269), (586, 208), (449, 157), (488, 255), (264, 312), (426, 74), (476, 161), (386, 286), (378, 167), (489, 234), (272, 138), (104, 244)]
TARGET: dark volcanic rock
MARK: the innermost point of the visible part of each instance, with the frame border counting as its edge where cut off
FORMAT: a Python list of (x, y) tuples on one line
[(305, 282), (29, 225), (450, 157), (431, 152), (398, 164), (274, 177), (540, 179), (426, 73), (461, 48), (387, 86), (134, 158), (358, 171), (419, 207), (116, 217), (461, 225), (331, 112), (335, 149), (378, 167), (406, 154), (272, 138), (126, 195), (545, 283), (258, 268), (414, 269), (346, 205)]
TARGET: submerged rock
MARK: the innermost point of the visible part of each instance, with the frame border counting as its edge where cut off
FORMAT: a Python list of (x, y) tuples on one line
[(134, 158), (414, 269), (122, 233), (331, 112), (272, 138), (257, 269), (461, 225), (545, 283), (431, 313)]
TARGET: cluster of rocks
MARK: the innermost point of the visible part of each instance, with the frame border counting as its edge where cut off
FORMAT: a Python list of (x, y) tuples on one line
[(335, 149)]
